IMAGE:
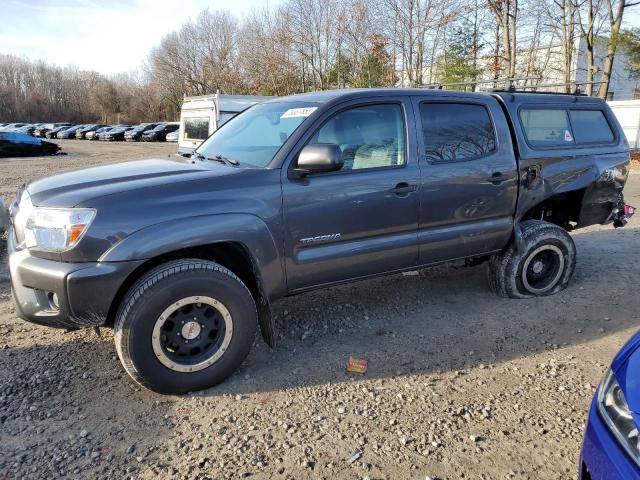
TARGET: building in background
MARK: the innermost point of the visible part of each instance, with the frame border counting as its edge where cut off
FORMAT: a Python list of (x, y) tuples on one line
[(543, 66)]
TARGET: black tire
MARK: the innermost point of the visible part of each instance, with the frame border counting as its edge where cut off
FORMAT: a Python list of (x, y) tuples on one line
[(546, 247), (157, 291)]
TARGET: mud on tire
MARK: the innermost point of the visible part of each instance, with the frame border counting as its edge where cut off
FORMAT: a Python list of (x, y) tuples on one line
[(543, 267), (185, 326)]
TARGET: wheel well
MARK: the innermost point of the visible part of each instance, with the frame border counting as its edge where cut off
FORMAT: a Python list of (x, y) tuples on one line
[(231, 255), (562, 209)]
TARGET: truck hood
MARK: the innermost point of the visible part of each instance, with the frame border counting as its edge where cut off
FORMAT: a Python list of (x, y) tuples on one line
[(72, 188)]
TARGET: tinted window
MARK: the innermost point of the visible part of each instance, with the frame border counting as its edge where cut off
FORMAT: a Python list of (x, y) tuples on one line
[(546, 127), (196, 128), (590, 126), (369, 137), (456, 132)]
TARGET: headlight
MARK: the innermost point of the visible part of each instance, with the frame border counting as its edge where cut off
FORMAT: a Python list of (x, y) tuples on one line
[(51, 229), (615, 412)]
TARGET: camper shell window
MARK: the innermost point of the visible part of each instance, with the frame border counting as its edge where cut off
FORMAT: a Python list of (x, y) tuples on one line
[(556, 127)]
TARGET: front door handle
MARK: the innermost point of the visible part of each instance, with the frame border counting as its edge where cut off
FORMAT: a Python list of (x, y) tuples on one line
[(403, 188), (498, 178)]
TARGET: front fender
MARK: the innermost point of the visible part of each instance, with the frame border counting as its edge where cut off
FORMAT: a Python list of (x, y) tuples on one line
[(166, 237)]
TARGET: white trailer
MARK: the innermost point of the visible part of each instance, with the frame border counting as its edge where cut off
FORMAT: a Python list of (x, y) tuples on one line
[(203, 115), (628, 114)]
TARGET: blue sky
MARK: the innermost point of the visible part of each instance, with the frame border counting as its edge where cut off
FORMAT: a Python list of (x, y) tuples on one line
[(108, 36)]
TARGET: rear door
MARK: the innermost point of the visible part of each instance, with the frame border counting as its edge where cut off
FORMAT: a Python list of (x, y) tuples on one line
[(469, 177), (363, 219)]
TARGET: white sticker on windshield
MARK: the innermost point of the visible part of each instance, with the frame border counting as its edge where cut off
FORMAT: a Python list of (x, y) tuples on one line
[(298, 112), (567, 136)]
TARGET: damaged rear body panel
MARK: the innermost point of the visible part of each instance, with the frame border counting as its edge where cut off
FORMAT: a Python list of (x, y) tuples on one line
[(573, 159)]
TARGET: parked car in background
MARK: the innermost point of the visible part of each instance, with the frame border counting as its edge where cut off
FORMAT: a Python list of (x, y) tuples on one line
[(173, 136), (159, 133), (45, 127), (13, 126), (94, 134), (203, 115), (28, 129), (104, 131), (53, 132), (115, 134), (69, 132), (81, 133), (14, 143), (611, 444), (135, 134)]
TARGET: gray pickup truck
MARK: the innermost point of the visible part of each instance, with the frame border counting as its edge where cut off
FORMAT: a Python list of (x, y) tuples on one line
[(184, 257)]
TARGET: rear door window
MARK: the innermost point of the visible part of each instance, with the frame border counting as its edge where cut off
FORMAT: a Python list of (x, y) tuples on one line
[(456, 132), (196, 128), (546, 127), (590, 126)]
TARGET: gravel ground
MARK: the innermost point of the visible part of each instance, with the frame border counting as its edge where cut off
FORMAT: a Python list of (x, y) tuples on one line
[(461, 383)]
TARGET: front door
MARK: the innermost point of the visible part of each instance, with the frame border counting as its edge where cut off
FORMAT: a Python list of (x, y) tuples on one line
[(363, 219)]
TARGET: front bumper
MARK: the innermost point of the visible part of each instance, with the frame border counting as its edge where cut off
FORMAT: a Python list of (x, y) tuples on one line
[(64, 295), (602, 457)]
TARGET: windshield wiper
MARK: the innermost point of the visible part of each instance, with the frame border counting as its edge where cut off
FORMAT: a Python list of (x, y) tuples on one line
[(230, 162), (226, 160)]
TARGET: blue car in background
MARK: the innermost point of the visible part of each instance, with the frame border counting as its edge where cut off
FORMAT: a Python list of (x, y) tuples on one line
[(611, 445)]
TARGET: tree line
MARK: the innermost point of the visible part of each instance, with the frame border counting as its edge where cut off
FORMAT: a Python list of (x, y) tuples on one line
[(305, 45)]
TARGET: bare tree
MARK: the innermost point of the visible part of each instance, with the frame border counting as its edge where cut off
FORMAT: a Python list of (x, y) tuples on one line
[(615, 11), (506, 15)]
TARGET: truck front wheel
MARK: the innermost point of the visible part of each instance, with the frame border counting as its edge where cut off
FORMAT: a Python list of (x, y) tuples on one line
[(542, 266), (185, 326)]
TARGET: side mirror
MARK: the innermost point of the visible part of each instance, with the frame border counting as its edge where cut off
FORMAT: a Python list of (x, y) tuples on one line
[(319, 158)]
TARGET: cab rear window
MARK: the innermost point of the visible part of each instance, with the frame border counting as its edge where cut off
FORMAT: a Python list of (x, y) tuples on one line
[(560, 127)]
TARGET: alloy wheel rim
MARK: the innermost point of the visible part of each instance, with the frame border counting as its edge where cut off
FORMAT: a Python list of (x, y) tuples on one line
[(543, 269), (192, 334)]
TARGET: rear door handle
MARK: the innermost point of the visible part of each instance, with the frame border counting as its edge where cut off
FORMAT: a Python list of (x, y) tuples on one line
[(403, 188), (498, 178)]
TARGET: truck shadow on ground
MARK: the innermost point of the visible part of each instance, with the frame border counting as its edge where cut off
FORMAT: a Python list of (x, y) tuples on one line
[(436, 320), (444, 319)]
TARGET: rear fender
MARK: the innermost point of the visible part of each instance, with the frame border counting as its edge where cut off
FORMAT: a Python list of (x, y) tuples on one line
[(601, 177)]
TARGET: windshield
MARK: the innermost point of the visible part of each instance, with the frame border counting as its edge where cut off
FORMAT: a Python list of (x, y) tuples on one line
[(255, 136)]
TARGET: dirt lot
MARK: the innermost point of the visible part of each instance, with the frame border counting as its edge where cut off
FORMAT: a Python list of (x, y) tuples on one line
[(461, 384)]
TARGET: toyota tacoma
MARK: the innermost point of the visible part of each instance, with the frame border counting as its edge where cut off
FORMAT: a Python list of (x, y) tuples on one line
[(184, 257)]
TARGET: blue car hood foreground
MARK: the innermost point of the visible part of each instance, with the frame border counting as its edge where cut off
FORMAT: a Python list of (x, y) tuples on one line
[(626, 367)]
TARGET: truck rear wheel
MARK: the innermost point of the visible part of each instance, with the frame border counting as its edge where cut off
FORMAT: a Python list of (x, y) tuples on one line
[(544, 265), (185, 326)]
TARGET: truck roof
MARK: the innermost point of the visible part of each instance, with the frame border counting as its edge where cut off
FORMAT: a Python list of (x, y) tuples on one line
[(354, 93)]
